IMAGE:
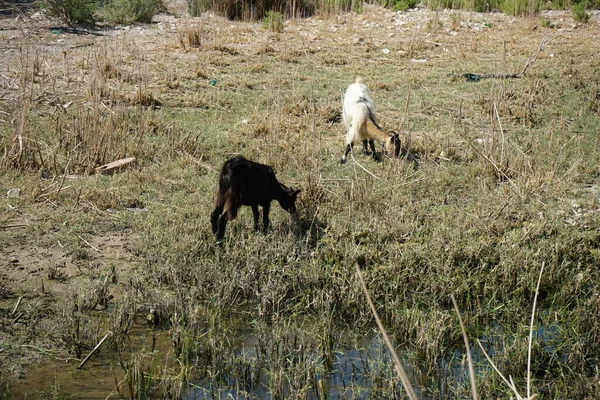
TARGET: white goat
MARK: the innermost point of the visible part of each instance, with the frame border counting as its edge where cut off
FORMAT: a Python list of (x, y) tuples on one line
[(359, 118)]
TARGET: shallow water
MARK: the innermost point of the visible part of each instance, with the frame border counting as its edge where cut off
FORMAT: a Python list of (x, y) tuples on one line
[(361, 368)]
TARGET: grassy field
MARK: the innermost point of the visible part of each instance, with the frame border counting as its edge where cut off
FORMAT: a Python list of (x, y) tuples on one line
[(507, 180)]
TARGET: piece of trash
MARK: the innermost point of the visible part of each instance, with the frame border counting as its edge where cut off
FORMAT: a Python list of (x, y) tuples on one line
[(244, 121), (472, 77), (57, 31), (385, 51), (14, 192), (481, 141), (137, 209), (212, 82), (418, 60)]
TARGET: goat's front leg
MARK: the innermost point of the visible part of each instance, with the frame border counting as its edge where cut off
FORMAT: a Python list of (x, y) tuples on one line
[(266, 208), (214, 217), (221, 224), (255, 215), (348, 150), (365, 148), (372, 145)]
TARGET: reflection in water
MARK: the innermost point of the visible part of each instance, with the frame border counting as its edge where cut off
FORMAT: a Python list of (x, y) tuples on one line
[(361, 372)]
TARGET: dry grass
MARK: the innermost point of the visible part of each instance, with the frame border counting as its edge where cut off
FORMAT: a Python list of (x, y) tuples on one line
[(506, 181)]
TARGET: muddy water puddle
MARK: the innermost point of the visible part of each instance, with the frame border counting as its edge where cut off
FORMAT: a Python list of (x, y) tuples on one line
[(101, 377)]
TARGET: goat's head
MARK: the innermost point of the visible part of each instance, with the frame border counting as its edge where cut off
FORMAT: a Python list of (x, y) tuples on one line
[(288, 203), (393, 145)]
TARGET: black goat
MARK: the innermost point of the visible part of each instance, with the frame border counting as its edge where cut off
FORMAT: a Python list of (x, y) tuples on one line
[(245, 182)]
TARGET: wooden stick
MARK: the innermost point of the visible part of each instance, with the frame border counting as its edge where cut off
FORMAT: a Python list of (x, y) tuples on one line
[(112, 166), (94, 349)]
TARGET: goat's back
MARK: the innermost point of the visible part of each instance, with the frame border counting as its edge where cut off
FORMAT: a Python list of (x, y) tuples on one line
[(247, 181), (358, 104)]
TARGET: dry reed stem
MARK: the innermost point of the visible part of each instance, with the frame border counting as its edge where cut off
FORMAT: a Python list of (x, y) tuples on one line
[(398, 363), (508, 383), (16, 306), (511, 383), (468, 348), (537, 290)]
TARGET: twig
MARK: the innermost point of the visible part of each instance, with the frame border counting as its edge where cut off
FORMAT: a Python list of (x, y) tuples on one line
[(88, 243), (534, 57), (85, 360), (116, 387), (364, 169), (200, 163), (399, 368), (468, 347), (9, 226), (16, 306), (537, 290)]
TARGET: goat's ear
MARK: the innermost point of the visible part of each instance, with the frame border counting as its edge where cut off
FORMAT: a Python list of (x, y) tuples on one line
[(295, 192)]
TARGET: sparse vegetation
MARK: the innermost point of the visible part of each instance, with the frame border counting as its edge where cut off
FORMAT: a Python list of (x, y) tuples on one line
[(507, 180), (580, 14)]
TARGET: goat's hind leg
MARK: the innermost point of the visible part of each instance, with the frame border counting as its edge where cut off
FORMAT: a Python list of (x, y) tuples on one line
[(266, 209), (348, 150), (255, 214)]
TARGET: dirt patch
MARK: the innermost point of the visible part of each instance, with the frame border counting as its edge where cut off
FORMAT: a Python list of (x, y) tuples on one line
[(42, 272)]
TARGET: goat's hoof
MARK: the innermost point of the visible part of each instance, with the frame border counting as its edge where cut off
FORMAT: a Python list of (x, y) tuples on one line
[(343, 161)]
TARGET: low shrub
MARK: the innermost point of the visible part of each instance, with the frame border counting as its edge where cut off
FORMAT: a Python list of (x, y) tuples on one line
[(130, 11), (274, 21), (71, 12)]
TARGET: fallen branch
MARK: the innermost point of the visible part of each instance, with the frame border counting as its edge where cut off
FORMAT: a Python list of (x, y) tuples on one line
[(112, 166), (85, 360)]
